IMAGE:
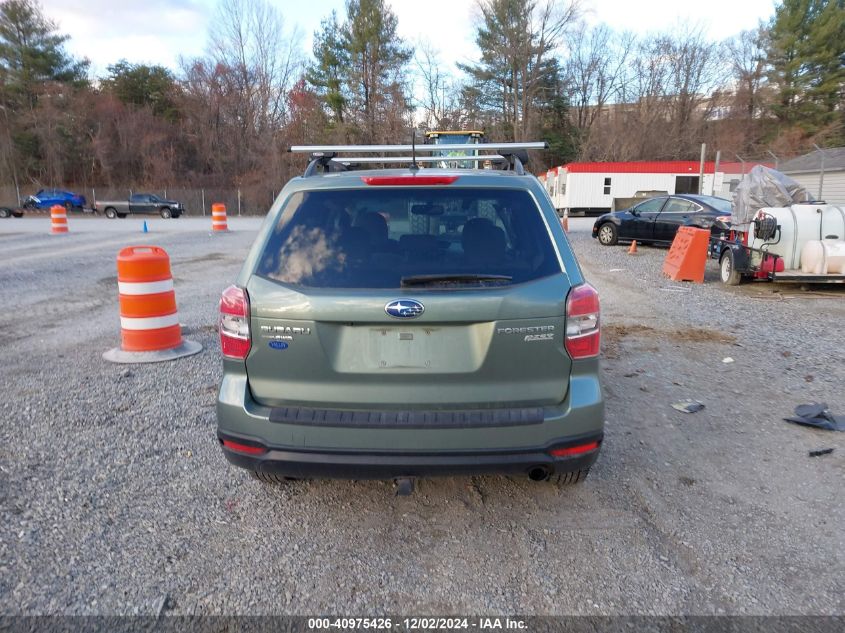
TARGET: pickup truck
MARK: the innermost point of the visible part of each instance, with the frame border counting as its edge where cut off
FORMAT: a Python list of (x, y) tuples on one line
[(139, 203)]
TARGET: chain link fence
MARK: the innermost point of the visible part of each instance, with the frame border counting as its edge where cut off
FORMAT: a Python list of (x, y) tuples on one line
[(197, 202)]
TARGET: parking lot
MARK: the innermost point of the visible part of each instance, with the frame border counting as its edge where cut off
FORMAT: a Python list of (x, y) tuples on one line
[(115, 497)]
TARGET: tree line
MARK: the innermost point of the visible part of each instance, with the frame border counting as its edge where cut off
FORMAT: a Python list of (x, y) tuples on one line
[(225, 119)]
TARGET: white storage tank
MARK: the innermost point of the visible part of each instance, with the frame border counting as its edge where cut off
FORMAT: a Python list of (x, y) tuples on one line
[(823, 257), (800, 224)]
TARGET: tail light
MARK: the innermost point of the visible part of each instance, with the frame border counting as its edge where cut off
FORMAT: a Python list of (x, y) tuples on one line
[(583, 333), (233, 323)]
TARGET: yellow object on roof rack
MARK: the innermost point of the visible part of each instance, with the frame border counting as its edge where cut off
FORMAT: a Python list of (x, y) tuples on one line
[(478, 133)]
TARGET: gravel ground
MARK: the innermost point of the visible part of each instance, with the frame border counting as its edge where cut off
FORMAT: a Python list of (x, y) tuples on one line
[(115, 498)]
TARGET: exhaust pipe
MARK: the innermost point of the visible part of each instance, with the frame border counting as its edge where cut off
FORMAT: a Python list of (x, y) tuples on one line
[(539, 473)]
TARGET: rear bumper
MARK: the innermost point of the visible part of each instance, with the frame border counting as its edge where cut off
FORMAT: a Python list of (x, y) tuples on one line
[(375, 445), (361, 465)]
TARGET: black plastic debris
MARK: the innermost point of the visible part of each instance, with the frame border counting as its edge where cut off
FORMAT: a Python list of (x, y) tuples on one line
[(817, 415), (688, 406), (404, 487), (820, 452)]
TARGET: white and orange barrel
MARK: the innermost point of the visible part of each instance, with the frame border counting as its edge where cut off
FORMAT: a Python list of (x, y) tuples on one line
[(148, 318), (58, 219), (218, 217)]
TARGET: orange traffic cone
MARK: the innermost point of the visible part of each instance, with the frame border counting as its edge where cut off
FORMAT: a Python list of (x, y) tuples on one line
[(633, 249)]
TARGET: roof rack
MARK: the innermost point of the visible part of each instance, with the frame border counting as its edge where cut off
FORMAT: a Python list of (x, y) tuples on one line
[(364, 149), (353, 160), (324, 157)]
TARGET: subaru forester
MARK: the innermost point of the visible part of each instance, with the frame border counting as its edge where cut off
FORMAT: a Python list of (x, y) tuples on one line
[(402, 323)]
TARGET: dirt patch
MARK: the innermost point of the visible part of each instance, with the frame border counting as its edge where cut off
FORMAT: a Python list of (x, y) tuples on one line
[(613, 334), (702, 335), (617, 331)]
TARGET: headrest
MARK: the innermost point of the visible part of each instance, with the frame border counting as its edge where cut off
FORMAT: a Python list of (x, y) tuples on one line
[(375, 224), (483, 240)]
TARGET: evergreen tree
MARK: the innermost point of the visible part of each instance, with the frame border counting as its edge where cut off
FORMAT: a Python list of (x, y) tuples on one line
[(518, 75), (806, 55), (143, 86), (327, 72), (359, 69), (377, 57), (31, 52), (33, 63)]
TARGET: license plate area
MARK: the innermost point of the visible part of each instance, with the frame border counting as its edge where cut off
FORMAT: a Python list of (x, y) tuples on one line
[(418, 348), (403, 348)]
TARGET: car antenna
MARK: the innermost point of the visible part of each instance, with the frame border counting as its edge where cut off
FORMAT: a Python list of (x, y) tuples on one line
[(414, 167)]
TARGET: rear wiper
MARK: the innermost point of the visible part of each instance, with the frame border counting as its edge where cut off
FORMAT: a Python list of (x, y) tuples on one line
[(454, 278)]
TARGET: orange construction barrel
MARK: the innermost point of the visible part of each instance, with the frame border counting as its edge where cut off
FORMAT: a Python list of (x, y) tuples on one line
[(218, 217), (58, 219), (149, 321)]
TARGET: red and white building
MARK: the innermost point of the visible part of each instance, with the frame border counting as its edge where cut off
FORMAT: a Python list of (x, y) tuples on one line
[(592, 187)]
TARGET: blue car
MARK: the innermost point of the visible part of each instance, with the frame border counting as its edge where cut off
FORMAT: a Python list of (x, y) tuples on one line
[(46, 198)]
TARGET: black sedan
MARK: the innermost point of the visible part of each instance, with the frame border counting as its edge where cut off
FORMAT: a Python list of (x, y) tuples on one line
[(658, 219)]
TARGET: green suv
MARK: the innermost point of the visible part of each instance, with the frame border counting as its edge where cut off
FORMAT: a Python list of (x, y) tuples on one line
[(400, 323)]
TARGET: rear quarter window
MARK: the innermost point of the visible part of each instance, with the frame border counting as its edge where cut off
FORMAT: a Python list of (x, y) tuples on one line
[(375, 237)]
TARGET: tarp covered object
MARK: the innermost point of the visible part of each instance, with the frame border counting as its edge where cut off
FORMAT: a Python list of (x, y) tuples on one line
[(765, 187)]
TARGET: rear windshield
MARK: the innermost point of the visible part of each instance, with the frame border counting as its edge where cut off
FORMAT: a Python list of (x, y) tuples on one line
[(721, 205), (389, 238)]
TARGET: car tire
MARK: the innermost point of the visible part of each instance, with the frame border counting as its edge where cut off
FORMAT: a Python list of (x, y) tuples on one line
[(271, 478), (5, 213), (727, 270), (110, 213), (68, 207), (570, 478), (608, 235), (165, 213)]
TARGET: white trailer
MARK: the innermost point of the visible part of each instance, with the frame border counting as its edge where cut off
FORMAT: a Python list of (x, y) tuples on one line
[(578, 188)]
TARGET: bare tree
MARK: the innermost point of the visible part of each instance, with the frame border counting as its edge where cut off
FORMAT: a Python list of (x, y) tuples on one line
[(249, 37), (747, 54), (239, 91), (439, 100), (664, 103), (594, 71)]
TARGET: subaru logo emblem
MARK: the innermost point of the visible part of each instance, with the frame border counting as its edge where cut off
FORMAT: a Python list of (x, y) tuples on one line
[(404, 309)]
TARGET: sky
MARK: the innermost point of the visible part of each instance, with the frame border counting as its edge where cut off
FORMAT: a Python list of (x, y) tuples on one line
[(163, 31)]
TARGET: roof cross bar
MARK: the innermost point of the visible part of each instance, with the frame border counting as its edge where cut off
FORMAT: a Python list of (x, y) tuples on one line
[(420, 159), (428, 148)]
